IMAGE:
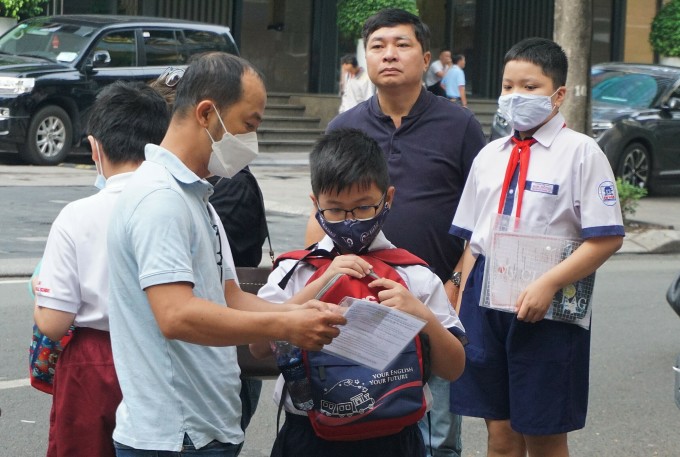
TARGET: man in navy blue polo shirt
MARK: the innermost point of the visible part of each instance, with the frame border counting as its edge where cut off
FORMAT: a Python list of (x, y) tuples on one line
[(430, 144)]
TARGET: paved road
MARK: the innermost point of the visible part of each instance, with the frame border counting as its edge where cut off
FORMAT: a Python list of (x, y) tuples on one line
[(632, 414)]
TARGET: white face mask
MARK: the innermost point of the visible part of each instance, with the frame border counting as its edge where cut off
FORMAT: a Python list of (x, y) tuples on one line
[(100, 180), (525, 111), (232, 153)]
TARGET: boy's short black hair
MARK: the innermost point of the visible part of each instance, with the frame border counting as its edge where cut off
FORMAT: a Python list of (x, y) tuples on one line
[(349, 59), (213, 76), (457, 58), (344, 158), (392, 17), (546, 54), (125, 117)]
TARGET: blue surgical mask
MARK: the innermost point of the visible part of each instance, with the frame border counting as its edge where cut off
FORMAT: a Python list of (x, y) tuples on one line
[(100, 181), (351, 235), (525, 111)]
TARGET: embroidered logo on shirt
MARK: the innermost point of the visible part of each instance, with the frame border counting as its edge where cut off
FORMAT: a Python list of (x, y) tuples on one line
[(607, 193), (542, 187)]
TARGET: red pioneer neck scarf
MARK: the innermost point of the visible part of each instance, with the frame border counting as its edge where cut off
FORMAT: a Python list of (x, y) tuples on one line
[(520, 154)]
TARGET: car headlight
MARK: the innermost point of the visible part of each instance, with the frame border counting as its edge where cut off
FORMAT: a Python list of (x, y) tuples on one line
[(600, 127), (16, 86)]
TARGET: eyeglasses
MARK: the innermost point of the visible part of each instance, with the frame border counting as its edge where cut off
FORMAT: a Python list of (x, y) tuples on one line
[(359, 213), (218, 254), (171, 76)]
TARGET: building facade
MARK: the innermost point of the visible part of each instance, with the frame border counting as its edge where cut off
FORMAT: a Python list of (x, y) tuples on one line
[(295, 42)]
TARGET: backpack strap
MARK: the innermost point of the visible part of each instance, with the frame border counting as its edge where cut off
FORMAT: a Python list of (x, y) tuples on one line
[(319, 257), (282, 401), (312, 256)]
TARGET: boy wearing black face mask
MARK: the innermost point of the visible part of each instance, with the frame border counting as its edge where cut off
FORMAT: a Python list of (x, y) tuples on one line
[(351, 190), (528, 375)]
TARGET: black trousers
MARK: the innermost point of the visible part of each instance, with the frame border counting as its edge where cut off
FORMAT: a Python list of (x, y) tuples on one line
[(297, 439), (436, 89)]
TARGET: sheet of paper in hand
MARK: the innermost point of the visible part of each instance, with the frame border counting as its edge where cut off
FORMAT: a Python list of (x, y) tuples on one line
[(374, 334), (517, 258)]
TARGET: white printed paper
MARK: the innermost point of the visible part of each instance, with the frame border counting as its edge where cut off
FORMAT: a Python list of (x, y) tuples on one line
[(517, 258), (374, 334)]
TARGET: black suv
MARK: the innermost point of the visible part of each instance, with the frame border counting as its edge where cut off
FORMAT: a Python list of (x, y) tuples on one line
[(51, 69)]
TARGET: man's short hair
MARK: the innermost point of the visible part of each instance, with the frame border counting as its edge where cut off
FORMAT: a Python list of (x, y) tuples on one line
[(392, 17), (349, 59), (344, 158), (215, 76), (457, 58), (125, 117), (546, 54)]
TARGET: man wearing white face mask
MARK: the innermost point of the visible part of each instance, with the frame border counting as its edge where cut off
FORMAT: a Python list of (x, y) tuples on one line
[(73, 281), (176, 310), (527, 376)]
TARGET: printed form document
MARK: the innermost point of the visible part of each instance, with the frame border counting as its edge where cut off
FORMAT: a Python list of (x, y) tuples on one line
[(374, 334)]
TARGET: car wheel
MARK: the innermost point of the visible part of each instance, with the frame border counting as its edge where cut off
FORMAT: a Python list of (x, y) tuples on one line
[(635, 165), (49, 139)]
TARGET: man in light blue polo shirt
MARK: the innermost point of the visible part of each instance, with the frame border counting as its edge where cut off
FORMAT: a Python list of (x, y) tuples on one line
[(176, 311), (454, 81)]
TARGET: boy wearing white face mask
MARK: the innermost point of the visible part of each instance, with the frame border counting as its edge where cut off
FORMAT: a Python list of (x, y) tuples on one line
[(526, 375)]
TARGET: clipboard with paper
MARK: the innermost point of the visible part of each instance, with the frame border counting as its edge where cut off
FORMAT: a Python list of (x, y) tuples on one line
[(518, 256)]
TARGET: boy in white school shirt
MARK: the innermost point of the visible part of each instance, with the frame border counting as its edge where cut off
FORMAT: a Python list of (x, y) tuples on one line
[(351, 191), (525, 375), (74, 276)]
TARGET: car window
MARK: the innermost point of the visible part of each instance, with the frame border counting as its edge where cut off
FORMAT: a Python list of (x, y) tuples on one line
[(162, 47), (627, 89), (48, 40), (198, 41), (118, 49)]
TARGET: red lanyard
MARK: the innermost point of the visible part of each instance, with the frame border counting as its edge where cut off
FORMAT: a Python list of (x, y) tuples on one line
[(520, 154)]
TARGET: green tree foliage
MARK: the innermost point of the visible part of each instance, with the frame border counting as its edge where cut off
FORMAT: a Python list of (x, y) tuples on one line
[(21, 9), (353, 13), (629, 195), (665, 34)]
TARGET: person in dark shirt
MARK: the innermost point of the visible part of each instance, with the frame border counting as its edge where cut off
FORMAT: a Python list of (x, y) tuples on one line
[(238, 202)]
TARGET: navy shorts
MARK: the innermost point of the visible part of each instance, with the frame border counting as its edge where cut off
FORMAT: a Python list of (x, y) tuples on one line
[(535, 375), (297, 439)]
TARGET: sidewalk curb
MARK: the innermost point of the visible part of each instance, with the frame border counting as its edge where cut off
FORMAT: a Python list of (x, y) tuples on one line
[(18, 267), (651, 242)]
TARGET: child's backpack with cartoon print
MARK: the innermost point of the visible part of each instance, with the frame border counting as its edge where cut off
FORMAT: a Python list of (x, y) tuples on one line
[(353, 402)]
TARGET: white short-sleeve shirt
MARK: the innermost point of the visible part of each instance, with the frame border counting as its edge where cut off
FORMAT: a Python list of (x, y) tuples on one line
[(570, 189), (431, 73), (421, 282), (74, 276)]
